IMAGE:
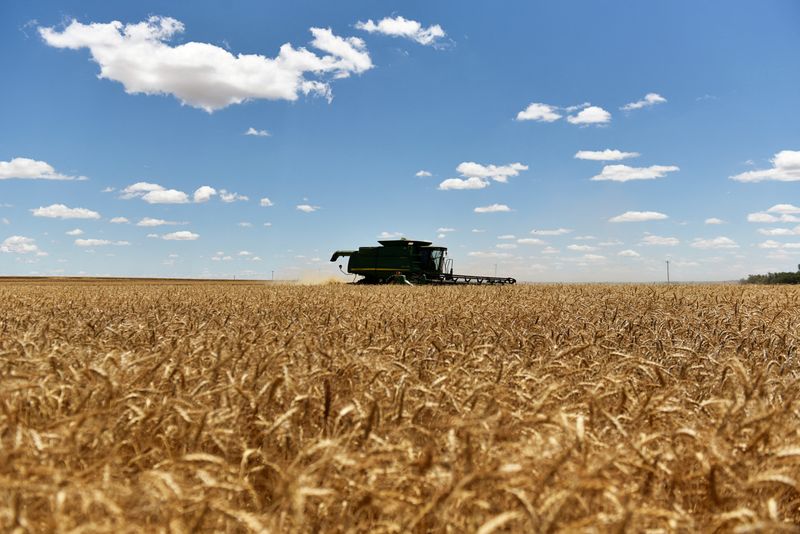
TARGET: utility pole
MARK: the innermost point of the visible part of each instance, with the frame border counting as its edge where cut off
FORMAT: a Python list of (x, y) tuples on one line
[(667, 271), (273, 276)]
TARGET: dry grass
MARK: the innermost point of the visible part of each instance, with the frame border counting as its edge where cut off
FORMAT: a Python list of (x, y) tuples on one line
[(214, 407)]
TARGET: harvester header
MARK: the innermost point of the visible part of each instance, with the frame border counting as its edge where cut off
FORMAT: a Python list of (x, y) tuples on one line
[(407, 260)]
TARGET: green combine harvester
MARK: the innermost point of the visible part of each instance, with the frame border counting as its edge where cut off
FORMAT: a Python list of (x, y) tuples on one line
[(404, 261)]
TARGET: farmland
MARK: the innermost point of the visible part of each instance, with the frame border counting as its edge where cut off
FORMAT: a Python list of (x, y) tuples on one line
[(181, 407)]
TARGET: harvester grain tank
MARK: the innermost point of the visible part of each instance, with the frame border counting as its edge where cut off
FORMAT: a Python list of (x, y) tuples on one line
[(399, 260)]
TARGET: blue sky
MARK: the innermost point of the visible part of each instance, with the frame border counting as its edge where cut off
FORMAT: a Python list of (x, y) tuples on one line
[(608, 136)]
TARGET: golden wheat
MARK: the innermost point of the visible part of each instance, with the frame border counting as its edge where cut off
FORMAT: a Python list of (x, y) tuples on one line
[(174, 407)]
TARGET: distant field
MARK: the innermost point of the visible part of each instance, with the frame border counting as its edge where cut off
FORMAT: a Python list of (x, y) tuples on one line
[(180, 406)]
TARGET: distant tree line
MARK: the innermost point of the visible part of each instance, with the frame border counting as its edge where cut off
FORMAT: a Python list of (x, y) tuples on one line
[(774, 278)]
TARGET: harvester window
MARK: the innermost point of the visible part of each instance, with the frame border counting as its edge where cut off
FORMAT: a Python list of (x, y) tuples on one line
[(437, 256)]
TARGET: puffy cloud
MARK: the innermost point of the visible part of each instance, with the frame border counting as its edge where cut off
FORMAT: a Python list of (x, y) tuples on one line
[(493, 255), (624, 173), (784, 208), (166, 196), (265, 202), (17, 244), (605, 155), (149, 222), (557, 231), (183, 235), (717, 242), (402, 27), (638, 216), (779, 231), (423, 174), (530, 241), (245, 224), (76, 231), (658, 240), (31, 169), (762, 217), (257, 133), (458, 183), (650, 99), (60, 211), (506, 246), (539, 112), (244, 253), (611, 243), (498, 173), (493, 208), (229, 196), (590, 115), (445, 230), (306, 208), (139, 189), (203, 193), (785, 168), (714, 220), (507, 236), (593, 257), (776, 245), (549, 250), (119, 220), (628, 253), (581, 248), (99, 242), (203, 75), (390, 235)]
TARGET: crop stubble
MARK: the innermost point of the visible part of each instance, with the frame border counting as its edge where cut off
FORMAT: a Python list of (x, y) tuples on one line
[(220, 407)]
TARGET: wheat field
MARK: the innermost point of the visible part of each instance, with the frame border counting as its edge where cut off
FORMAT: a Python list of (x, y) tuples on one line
[(218, 407)]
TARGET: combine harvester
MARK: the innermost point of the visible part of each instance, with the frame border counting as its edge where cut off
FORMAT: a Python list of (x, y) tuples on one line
[(403, 261)]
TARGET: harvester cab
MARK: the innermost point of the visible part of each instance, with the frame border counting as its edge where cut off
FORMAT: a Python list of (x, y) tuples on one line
[(419, 262)]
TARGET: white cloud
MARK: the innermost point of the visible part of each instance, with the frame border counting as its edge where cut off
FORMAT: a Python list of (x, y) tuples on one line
[(593, 257), (265, 202), (119, 220), (584, 238), (60, 211), (458, 183), (203, 75), (139, 189), (493, 208), (557, 231), (779, 231), (590, 115), (581, 248), (762, 217), (390, 235), (507, 236), (445, 230), (638, 216), (76, 231), (267, 224), (506, 246), (717, 242), (153, 236), (498, 173), (477, 231), (624, 173), (17, 244), (549, 250), (244, 253), (306, 208), (611, 243), (423, 174), (628, 253), (650, 99), (496, 255), (183, 235), (31, 169), (5, 220), (149, 222), (229, 197), (402, 27), (658, 240), (166, 196), (785, 168), (539, 112), (776, 245), (257, 133), (203, 193), (784, 208), (714, 220), (605, 155), (245, 224), (531, 241), (99, 242)]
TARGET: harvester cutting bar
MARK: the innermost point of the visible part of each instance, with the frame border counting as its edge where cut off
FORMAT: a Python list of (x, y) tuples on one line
[(472, 279)]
